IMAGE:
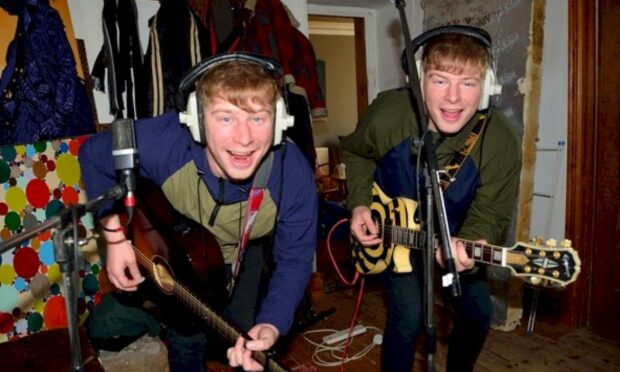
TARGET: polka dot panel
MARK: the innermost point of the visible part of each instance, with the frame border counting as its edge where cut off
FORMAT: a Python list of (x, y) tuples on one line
[(38, 181)]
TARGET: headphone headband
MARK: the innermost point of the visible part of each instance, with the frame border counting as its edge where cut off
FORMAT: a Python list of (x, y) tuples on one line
[(186, 84), (477, 33)]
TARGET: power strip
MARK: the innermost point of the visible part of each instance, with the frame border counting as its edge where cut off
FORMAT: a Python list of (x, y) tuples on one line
[(342, 335)]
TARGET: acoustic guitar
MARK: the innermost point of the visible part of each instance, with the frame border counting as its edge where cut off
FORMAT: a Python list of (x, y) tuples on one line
[(394, 218), (160, 234), (162, 275)]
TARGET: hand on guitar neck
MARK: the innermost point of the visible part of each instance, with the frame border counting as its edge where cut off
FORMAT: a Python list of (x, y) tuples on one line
[(459, 253), (263, 335)]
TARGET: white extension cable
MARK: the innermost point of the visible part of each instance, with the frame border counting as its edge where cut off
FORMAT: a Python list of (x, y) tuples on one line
[(342, 335), (330, 351)]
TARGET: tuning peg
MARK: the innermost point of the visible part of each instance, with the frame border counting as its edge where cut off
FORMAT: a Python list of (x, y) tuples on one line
[(551, 243), (566, 243), (537, 240)]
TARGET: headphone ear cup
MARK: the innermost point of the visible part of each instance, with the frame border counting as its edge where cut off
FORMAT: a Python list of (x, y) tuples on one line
[(418, 64), (192, 117), (490, 87), (282, 121)]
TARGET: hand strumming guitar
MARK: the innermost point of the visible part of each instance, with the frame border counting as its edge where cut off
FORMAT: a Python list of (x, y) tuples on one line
[(363, 227), (121, 259)]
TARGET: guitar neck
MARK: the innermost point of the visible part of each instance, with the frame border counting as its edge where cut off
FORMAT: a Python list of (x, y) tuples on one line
[(479, 252), (221, 326), (486, 253), (212, 318), (395, 219)]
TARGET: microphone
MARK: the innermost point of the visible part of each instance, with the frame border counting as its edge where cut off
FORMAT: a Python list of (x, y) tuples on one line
[(125, 154)]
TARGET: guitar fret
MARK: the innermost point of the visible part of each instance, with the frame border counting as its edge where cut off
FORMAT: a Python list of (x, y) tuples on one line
[(477, 251), (498, 255), (397, 236), (487, 255)]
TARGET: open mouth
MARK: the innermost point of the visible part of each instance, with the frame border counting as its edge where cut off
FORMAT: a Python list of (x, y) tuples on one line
[(451, 114), (241, 159)]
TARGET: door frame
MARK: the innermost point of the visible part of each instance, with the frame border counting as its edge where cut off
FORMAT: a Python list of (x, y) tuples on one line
[(592, 216), (581, 142)]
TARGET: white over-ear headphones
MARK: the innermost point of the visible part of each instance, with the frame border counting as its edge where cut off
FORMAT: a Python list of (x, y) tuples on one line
[(490, 84), (190, 109)]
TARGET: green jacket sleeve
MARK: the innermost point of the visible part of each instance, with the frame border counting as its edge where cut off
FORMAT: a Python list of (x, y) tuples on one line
[(385, 123)]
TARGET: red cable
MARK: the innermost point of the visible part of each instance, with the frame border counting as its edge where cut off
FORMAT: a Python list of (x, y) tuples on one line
[(351, 283), (331, 256)]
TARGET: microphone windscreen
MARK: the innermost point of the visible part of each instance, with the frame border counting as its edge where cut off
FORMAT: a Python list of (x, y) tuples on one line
[(124, 150), (123, 136)]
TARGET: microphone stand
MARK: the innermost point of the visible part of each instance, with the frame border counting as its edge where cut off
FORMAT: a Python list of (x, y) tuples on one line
[(433, 193), (66, 244)]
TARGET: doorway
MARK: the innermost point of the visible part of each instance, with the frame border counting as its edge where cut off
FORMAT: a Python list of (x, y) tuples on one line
[(339, 47)]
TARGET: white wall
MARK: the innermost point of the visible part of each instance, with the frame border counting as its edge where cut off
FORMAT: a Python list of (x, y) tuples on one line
[(548, 214), (391, 45), (299, 8)]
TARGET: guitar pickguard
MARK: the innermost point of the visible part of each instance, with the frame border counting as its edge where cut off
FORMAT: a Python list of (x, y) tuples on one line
[(390, 215)]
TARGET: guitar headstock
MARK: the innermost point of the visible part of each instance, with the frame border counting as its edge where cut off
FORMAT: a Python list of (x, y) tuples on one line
[(543, 262)]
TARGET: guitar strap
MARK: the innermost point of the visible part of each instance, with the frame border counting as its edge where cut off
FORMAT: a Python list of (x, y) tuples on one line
[(254, 202), (453, 166)]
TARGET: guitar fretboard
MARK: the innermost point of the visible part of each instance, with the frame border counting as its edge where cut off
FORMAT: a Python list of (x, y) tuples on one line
[(485, 253)]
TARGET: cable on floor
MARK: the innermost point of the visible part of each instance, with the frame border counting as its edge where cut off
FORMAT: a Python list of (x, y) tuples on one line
[(336, 355)]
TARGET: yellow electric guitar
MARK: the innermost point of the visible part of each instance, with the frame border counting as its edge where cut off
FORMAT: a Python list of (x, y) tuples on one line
[(395, 223)]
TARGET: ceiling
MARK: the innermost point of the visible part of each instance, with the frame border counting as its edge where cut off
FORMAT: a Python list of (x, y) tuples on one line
[(371, 4)]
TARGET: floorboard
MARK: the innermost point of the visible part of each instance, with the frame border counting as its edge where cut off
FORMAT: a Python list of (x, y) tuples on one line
[(551, 347)]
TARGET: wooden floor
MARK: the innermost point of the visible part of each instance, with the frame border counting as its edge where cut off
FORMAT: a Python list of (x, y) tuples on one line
[(551, 347)]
